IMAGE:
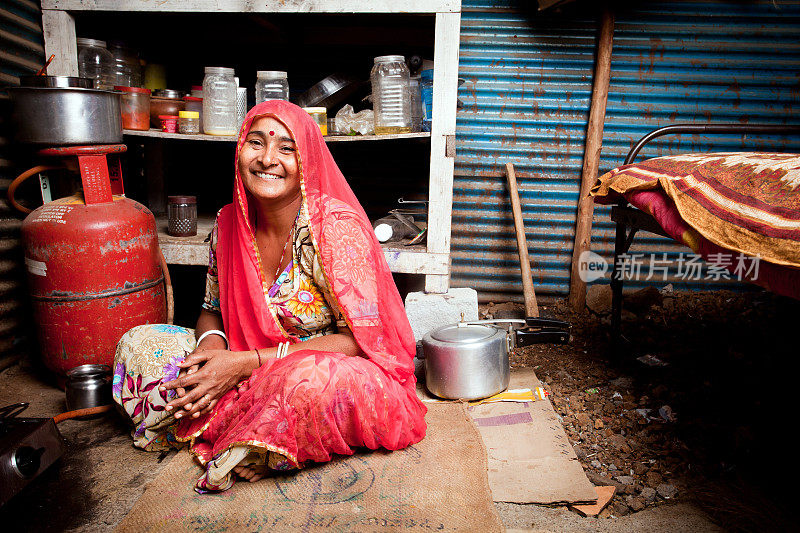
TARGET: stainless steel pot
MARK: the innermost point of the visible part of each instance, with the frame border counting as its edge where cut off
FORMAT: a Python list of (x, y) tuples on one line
[(66, 115), (469, 360), (88, 386)]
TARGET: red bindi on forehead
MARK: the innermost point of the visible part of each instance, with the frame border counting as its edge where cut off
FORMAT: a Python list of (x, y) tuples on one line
[(271, 133)]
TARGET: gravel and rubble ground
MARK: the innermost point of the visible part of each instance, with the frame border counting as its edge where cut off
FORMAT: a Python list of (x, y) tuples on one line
[(696, 404)]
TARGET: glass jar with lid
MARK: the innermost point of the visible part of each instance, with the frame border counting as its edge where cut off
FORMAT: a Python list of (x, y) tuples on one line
[(95, 62), (320, 116), (188, 122), (391, 99), (219, 101), (271, 85), (182, 216)]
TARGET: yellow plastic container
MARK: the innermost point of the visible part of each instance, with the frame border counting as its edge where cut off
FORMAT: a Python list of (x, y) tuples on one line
[(320, 116)]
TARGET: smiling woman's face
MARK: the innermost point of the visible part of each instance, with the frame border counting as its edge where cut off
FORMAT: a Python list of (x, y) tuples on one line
[(268, 162)]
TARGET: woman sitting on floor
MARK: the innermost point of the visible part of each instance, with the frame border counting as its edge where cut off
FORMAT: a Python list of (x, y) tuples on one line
[(316, 357)]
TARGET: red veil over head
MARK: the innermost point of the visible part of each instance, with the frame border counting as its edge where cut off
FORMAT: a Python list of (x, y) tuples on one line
[(352, 259)]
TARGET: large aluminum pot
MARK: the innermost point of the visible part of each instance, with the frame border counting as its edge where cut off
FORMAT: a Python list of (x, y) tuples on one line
[(469, 360), (66, 115)]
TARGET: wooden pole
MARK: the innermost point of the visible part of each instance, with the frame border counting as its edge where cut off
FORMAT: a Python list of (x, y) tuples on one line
[(591, 158), (531, 307)]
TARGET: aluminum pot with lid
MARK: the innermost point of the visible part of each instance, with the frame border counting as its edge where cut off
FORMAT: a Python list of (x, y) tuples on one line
[(469, 360)]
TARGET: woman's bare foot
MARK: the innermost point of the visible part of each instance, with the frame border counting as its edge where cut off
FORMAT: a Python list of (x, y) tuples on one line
[(248, 472)]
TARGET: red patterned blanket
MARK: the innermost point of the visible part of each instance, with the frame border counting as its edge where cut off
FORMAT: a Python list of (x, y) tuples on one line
[(748, 203)]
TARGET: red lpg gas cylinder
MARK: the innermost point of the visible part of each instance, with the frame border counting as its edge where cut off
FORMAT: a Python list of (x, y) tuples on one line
[(94, 272)]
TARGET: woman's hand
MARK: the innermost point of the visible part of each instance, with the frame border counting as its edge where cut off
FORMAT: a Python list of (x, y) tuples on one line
[(221, 370)]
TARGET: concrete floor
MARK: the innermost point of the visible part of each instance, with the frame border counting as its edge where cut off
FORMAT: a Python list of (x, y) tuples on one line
[(101, 476)]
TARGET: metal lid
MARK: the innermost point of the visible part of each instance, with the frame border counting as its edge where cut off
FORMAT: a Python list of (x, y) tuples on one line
[(381, 59), (271, 74), (463, 334), (181, 199), (189, 114), (83, 41), (225, 71), (167, 93), (329, 91), (56, 81), (126, 89)]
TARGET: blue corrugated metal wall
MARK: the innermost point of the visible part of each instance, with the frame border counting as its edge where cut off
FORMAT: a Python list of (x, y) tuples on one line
[(526, 101)]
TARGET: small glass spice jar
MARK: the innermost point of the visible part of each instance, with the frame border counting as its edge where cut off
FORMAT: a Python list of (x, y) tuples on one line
[(320, 116), (182, 216), (188, 122)]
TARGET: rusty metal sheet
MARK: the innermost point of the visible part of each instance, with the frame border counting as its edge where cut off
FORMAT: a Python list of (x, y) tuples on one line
[(526, 96)]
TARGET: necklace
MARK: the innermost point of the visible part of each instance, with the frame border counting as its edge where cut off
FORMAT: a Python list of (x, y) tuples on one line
[(285, 246)]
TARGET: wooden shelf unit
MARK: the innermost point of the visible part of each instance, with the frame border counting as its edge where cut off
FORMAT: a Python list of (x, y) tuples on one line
[(433, 260), (158, 134), (413, 259)]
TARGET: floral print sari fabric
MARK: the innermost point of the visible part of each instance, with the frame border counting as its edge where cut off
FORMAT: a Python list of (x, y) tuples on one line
[(300, 296), (147, 356)]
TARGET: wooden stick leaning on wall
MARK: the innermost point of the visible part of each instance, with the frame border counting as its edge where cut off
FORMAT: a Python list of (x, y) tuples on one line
[(531, 307), (591, 158)]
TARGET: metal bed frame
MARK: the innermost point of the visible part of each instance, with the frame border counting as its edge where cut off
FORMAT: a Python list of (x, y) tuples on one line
[(629, 220)]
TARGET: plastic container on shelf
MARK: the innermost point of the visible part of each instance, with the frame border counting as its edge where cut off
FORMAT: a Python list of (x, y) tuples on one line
[(197, 91), (219, 101), (271, 85), (193, 103), (135, 107), (182, 216), (189, 122), (320, 116), (95, 62), (126, 68), (169, 123), (426, 93), (416, 104), (391, 98)]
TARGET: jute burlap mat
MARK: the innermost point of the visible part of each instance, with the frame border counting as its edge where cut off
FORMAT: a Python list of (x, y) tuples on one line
[(437, 484)]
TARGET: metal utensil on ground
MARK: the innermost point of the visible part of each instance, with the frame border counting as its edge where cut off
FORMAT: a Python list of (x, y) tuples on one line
[(88, 386)]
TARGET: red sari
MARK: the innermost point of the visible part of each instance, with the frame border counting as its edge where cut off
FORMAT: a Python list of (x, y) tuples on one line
[(312, 404)]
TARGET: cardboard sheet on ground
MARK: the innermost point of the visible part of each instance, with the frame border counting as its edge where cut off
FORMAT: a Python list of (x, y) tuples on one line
[(530, 459), (439, 483)]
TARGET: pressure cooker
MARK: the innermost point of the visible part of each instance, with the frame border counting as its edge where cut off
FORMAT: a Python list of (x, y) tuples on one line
[(469, 360)]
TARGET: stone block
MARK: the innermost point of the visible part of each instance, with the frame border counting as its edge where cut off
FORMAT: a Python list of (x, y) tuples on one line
[(427, 312)]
